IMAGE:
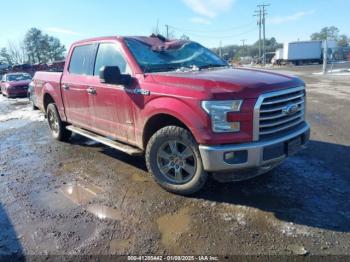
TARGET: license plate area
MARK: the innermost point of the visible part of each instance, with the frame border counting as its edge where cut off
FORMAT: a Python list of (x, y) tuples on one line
[(293, 146)]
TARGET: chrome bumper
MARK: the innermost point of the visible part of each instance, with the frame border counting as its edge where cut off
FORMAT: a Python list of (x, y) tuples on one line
[(251, 154)]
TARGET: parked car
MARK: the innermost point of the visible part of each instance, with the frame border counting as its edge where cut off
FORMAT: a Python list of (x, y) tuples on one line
[(31, 96), (178, 104), (15, 84)]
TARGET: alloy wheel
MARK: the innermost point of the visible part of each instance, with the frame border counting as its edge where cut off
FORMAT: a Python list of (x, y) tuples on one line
[(176, 161)]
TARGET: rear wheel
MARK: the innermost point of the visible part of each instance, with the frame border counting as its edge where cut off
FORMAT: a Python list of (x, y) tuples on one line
[(172, 156), (57, 127)]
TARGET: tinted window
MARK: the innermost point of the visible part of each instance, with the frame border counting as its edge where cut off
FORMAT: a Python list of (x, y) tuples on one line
[(109, 55), (80, 61)]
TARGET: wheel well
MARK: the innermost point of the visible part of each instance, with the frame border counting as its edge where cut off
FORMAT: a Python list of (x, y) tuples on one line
[(156, 123), (47, 100)]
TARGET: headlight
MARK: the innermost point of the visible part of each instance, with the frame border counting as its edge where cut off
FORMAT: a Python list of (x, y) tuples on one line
[(218, 112)]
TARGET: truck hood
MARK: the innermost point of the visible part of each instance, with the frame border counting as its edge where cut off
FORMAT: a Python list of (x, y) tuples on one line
[(228, 82)]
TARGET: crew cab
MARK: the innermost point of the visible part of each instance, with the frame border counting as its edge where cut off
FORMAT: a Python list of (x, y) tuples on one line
[(177, 103)]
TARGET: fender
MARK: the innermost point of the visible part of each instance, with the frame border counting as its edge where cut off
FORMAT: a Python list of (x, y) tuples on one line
[(55, 92), (185, 112)]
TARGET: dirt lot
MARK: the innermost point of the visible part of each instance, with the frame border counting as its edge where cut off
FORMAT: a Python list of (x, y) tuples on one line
[(85, 198)]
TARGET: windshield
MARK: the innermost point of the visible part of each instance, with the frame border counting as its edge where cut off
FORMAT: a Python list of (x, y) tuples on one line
[(18, 77), (190, 55)]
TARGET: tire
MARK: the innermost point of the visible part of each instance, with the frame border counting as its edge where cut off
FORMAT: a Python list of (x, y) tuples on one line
[(173, 158), (57, 127)]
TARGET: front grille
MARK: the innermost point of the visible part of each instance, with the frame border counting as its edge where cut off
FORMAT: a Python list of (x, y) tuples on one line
[(21, 87), (279, 112)]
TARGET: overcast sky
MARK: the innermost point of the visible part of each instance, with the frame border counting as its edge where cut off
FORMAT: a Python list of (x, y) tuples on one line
[(205, 21)]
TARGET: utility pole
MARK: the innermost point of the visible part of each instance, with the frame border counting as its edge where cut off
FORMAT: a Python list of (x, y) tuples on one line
[(167, 31), (220, 51), (325, 56), (262, 9), (258, 14), (243, 40), (259, 34)]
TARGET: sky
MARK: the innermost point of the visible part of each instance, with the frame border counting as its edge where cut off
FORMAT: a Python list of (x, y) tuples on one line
[(206, 21)]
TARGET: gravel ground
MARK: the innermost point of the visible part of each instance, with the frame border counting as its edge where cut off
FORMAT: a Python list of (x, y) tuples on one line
[(85, 198)]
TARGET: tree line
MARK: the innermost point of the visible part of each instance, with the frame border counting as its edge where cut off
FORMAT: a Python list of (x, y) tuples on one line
[(332, 33), (36, 47), (234, 52)]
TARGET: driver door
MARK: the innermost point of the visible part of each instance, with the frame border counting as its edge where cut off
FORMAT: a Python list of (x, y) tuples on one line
[(111, 106)]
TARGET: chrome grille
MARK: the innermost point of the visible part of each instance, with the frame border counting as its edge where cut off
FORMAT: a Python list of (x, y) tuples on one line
[(21, 87), (279, 112)]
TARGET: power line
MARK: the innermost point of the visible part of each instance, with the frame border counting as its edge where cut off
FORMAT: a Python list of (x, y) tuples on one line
[(212, 31), (218, 36)]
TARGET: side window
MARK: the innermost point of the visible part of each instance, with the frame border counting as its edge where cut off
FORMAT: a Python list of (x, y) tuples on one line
[(108, 54), (80, 62)]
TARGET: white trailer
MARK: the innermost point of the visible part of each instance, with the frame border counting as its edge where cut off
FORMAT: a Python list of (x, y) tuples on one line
[(300, 52)]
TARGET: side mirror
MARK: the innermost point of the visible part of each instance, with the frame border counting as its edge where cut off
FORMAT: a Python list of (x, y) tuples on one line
[(112, 75)]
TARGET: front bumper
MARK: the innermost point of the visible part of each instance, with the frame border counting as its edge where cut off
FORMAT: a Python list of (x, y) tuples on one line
[(259, 156), (14, 92)]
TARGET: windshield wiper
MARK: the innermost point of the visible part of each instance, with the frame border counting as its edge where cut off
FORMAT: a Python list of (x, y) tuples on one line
[(160, 69), (188, 68), (211, 66)]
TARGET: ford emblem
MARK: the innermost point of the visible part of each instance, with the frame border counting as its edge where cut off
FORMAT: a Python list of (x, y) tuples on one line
[(290, 109)]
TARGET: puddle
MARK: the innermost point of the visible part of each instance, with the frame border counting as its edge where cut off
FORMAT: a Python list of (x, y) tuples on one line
[(50, 200), (80, 194), (172, 226), (297, 249), (13, 123), (103, 212), (119, 245), (141, 178)]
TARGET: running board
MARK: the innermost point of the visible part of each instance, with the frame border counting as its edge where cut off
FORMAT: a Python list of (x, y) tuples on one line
[(103, 140)]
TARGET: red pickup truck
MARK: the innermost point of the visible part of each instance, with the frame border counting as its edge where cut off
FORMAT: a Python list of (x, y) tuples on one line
[(178, 104)]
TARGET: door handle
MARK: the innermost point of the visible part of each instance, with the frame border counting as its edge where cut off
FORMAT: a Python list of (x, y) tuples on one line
[(65, 87), (91, 91)]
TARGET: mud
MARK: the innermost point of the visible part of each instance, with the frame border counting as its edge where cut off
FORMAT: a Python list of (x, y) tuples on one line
[(172, 227), (85, 198)]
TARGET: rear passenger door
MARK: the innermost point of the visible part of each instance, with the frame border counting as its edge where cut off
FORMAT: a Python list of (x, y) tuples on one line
[(75, 83), (112, 105)]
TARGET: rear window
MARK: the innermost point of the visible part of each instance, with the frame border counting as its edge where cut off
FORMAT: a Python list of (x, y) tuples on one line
[(80, 62)]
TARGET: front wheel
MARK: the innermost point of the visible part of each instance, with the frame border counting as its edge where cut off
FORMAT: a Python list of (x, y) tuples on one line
[(172, 156), (57, 127)]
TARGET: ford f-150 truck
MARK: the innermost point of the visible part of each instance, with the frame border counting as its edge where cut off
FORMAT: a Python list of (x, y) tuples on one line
[(178, 104)]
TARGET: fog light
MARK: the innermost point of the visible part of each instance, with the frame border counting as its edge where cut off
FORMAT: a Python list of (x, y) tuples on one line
[(229, 155), (236, 157)]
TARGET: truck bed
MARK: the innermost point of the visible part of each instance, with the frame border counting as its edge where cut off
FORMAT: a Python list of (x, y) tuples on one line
[(45, 76), (51, 82)]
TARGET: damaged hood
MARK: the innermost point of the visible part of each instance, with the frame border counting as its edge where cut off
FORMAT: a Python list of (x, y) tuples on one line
[(228, 82)]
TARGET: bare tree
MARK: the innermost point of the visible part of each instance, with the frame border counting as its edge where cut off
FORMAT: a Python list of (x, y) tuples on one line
[(5, 56), (17, 52)]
